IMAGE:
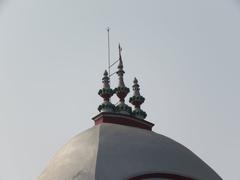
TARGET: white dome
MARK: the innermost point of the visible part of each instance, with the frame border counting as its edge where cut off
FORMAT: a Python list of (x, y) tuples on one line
[(117, 152)]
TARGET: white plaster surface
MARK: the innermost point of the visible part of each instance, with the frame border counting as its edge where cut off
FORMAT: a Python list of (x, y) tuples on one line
[(116, 152), (76, 160)]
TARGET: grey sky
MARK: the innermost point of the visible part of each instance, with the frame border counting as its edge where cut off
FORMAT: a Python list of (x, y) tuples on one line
[(53, 53)]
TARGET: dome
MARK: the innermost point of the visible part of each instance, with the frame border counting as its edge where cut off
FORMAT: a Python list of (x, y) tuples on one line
[(117, 152), (122, 145)]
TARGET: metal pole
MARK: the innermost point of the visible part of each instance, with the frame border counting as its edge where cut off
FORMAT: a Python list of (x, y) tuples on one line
[(109, 63)]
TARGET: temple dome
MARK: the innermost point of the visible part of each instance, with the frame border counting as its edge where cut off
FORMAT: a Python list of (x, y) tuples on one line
[(122, 145), (117, 152)]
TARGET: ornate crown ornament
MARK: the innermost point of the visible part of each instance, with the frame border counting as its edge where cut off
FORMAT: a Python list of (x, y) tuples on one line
[(106, 93), (137, 100), (121, 91)]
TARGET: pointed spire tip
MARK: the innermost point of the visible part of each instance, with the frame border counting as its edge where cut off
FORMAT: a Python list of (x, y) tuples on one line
[(135, 81), (105, 73)]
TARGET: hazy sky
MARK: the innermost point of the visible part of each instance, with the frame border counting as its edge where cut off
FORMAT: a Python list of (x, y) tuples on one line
[(186, 55)]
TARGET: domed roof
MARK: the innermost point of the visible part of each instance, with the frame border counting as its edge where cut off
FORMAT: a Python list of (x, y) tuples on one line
[(117, 152), (122, 146)]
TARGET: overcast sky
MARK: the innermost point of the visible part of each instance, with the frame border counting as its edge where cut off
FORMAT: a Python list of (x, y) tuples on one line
[(186, 55)]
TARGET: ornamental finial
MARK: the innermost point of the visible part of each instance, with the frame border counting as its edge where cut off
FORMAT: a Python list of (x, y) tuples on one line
[(122, 91), (106, 93), (120, 71), (137, 101), (120, 65), (136, 88), (105, 80)]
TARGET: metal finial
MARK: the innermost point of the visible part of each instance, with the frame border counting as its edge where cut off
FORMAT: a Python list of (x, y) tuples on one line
[(136, 88), (105, 80), (120, 65), (105, 73), (137, 101), (121, 91), (120, 71), (106, 93), (119, 49), (135, 81)]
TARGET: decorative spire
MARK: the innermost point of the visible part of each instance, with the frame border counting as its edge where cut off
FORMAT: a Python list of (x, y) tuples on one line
[(121, 113), (137, 101), (106, 93), (122, 91), (120, 71)]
